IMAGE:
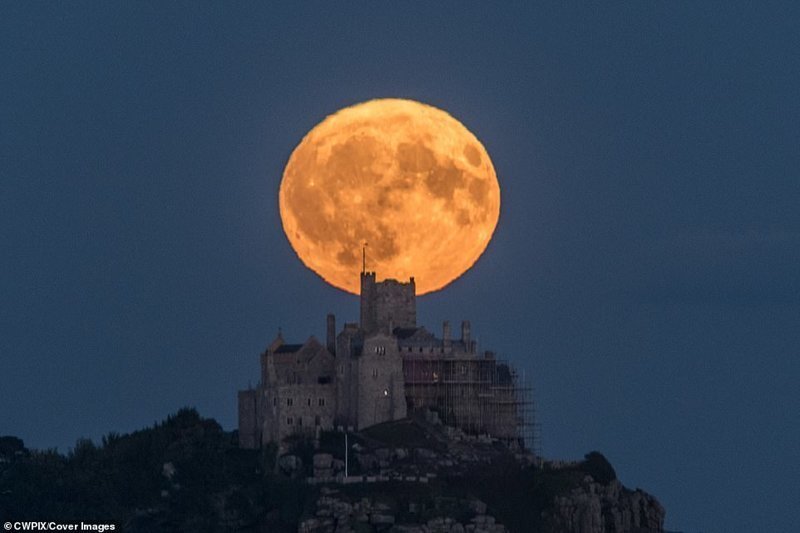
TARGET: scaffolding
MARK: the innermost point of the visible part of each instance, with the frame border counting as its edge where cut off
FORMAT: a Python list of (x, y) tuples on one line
[(479, 395)]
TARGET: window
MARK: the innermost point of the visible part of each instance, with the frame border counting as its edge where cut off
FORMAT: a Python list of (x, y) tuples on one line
[(289, 402), (386, 392), (380, 350), (341, 369), (321, 402), (420, 349), (374, 372), (463, 370), (299, 420), (289, 421), (309, 402), (275, 401), (316, 420)]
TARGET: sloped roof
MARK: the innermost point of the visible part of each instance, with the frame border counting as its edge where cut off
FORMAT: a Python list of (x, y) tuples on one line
[(300, 352), (288, 348), (414, 334), (404, 333)]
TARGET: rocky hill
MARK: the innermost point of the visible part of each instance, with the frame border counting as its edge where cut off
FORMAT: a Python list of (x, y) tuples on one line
[(413, 476)]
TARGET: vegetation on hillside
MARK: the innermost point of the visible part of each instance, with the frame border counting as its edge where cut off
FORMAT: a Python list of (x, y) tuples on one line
[(187, 474)]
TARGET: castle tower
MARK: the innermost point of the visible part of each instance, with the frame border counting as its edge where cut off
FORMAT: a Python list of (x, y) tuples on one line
[(330, 333), (389, 303)]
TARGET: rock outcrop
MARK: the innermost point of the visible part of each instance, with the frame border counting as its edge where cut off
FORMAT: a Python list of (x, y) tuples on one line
[(337, 513), (611, 508), (187, 474)]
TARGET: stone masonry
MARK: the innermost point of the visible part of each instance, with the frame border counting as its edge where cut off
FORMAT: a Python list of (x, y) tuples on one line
[(378, 370)]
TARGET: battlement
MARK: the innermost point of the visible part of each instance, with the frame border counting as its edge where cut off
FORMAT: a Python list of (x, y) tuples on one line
[(372, 275)]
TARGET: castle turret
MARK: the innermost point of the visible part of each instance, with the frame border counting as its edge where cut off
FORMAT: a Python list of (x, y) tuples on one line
[(330, 337), (387, 302), (465, 335), (447, 342)]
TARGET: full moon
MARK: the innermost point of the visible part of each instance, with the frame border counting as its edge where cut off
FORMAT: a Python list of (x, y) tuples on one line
[(402, 180)]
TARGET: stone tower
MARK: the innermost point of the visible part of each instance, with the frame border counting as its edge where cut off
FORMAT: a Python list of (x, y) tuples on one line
[(387, 305), (378, 371)]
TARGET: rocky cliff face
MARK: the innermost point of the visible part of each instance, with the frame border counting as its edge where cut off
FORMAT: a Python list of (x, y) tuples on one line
[(337, 513), (187, 474), (596, 508), (453, 484)]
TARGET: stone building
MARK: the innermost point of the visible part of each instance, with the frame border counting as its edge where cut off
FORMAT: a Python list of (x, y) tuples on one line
[(383, 368)]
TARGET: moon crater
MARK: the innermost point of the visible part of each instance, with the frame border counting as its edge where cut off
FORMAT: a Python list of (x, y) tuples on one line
[(404, 178)]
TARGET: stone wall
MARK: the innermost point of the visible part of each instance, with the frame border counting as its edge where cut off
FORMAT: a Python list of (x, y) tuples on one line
[(297, 409), (381, 394), (249, 436), (346, 374)]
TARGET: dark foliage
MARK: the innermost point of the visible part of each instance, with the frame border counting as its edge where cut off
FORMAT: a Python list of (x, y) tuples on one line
[(187, 474), (182, 474), (404, 433), (516, 496), (11, 447), (597, 466)]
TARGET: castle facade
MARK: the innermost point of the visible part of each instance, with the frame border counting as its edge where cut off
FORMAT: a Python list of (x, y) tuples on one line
[(382, 368)]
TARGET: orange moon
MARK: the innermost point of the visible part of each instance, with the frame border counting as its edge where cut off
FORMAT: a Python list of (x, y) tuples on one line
[(406, 178)]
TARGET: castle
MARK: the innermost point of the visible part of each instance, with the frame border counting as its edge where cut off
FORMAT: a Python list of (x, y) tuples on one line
[(383, 368)]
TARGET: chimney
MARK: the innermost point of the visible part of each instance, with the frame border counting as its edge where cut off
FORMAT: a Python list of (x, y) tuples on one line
[(447, 343), (465, 337), (330, 338)]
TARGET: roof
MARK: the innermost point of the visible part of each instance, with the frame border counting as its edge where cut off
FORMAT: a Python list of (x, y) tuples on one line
[(288, 348), (404, 333), (416, 336)]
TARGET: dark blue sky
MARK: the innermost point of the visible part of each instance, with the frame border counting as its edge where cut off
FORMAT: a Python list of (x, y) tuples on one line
[(645, 271)]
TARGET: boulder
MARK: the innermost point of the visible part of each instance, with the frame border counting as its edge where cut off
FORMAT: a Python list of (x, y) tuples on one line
[(322, 460), (383, 454), (290, 464), (381, 519), (424, 453), (478, 507)]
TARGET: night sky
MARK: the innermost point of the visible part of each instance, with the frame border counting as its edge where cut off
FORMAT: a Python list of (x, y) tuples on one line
[(645, 272)]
